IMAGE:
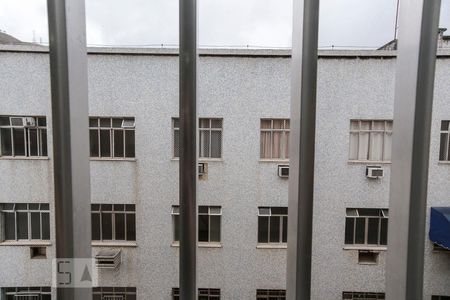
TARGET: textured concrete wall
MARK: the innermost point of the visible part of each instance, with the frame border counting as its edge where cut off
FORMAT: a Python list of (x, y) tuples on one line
[(241, 90)]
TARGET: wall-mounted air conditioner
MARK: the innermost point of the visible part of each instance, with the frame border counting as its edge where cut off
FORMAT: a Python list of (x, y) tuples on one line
[(374, 172), (108, 259), (202, 169), (283, 171)]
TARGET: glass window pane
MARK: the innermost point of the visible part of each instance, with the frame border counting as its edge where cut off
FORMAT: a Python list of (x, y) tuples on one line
[(4, 121), (265, 146), (176, 122), (43, 142), (176, 143), (117, 122), (204, 143), (354, 146), (216, 144), (266, 124), (176, 228), (106, 226), (118, 143), (279, 210), (203, 228), (360, 230), (349, 228), (372, 231), (274, 229), (263, 229), (33, 142), (444, 125), (120, 226), (22, 225), (443, 147), (93, 141), (383, 231), (96, 227), (204, 123), (278, 124), (6, 143), (285, 229), (216, 123), (35, 225), (10, 226), (131, 227), (129, 143), (105, 143), (105, 122), (203, 209), (19, 142), (45, 226), (215, 229), (93, 122), (277, 144)]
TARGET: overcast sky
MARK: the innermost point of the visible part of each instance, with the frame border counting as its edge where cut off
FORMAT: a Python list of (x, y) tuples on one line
[(359, 23)]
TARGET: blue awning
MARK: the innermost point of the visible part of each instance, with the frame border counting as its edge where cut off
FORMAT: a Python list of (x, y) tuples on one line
[(440, 226)]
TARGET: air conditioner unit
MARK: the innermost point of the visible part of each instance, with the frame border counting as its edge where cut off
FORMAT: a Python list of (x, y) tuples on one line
[(283, 171), (374, 172), (202, 169), (29, 122), (108, 259)]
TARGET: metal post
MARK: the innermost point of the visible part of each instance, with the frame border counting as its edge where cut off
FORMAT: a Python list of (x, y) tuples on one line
[(410, 150), (303, 119), (188, 148), (69, 91)]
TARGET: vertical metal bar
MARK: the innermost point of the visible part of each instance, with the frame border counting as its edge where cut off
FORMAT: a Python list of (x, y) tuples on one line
[(418, 32), (303, 119), (188, 148), (69, 91)]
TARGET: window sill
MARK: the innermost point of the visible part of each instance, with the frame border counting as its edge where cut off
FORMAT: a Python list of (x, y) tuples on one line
[(24, 158), (443, 162), (114, 244), (201, 160), (112, 159), (271, 246), (25, 243), (200, 245), (365, 247), (368, 162), (279, 161)]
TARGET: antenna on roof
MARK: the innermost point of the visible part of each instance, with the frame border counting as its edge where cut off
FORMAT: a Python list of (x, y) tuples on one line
[(396, 20)]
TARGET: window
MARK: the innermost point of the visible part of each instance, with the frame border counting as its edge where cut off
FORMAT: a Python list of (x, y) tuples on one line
[(272, 225), (203, 294), (444, 149), (370, 140), (27, 293), (113, 222), (22, 221), (112, 137), (275, 139), (366, 226), (362, 296), (270, 294), (208, 223), (440, 297), (210, 138), (23, 136), (114, 293)]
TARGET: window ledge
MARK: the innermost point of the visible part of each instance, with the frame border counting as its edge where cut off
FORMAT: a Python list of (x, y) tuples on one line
[(279, 161), (368, 162), (25, 243), (209, 245), (201, 160), (112, 159), (271, 246), (365, 247), (24, 158), (114, 244), (443, 162), (175, 244)]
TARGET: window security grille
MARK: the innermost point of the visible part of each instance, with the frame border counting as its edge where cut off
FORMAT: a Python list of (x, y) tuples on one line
[(444, 148), (270, 294), (272, 224), (210, 137), (26, 293), (362, 296), (366, 226), (114, 293), (274, 139), (23, 221), (370, 140), (22, 136), (112, 137), (113, 222)]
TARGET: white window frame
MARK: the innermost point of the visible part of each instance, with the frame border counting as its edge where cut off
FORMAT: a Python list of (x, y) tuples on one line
[(34, 293), (113, 213), (175, 214), (42, 147), (115, 294), (201, 292), (446, 133), (386, 132), (209, 214), (354, 213), (285, 132), (127, 124), (41, 210), (269, 294), (281, 229)]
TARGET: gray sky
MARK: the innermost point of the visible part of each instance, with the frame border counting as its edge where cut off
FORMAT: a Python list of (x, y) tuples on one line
[(359, 23)]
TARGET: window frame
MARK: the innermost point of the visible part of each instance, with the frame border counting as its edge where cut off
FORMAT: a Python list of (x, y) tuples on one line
[(204, 292), (270, 294), (113, 213), (446, 132), (281, 224), (285, 130), (115, 291), (41, 130), (386, 132), (111, 132), (26, 291), (29, 211), (383, 214), (363, 296)]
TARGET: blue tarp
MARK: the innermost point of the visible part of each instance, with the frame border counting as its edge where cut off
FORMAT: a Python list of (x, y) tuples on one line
[(440, 226)]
